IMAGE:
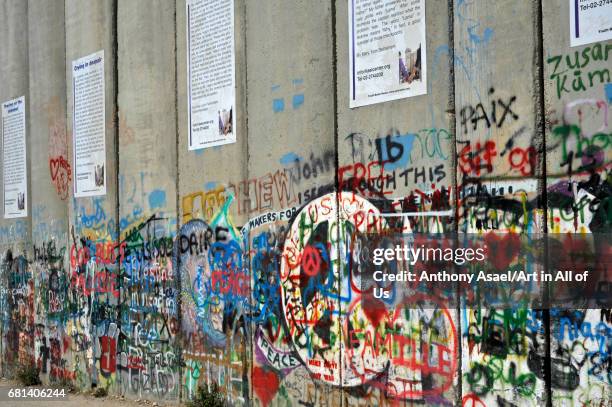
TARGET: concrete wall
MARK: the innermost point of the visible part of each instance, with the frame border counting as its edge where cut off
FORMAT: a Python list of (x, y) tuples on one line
[(147, 197), (167, 283), (577, 134), (16, 233), (494, 171), (50, 180), (92, 304)]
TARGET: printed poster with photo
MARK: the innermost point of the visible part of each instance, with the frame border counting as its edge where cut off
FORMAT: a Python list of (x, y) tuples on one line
[(89, 128), (211, 73), (387, 50), (14, 164)]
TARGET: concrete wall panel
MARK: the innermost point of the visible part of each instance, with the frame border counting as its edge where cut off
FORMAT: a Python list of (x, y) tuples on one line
[(238, 266)]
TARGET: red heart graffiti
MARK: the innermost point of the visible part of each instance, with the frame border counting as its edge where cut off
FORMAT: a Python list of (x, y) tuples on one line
[(265, 384), (54, 165)]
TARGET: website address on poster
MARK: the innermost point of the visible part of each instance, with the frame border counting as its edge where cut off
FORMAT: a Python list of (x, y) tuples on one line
[(371, 73)]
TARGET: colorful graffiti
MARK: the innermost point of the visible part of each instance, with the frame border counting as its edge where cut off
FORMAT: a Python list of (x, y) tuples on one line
[(255, 282)]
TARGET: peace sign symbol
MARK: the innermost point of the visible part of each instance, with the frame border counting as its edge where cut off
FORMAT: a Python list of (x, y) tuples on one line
[(311, 261)]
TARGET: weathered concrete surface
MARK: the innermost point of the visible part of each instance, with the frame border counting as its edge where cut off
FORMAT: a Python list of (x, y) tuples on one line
[(207, 185), (14, 233), (408, 146), (291, 162), (147, 125), (204, 175), (93, 220), (50, 170), (578, 158), (147, 195), (236, 265), (497, 133), (497, 110), (421, 124), (286, 107), (89, 30)]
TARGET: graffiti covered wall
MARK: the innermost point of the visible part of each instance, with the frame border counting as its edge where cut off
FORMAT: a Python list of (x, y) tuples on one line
[(240, 265)]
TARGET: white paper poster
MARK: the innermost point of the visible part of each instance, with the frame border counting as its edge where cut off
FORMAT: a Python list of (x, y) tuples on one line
[(590, 21), (386, 50), (211, 83), (88, 125), (14, 164)]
